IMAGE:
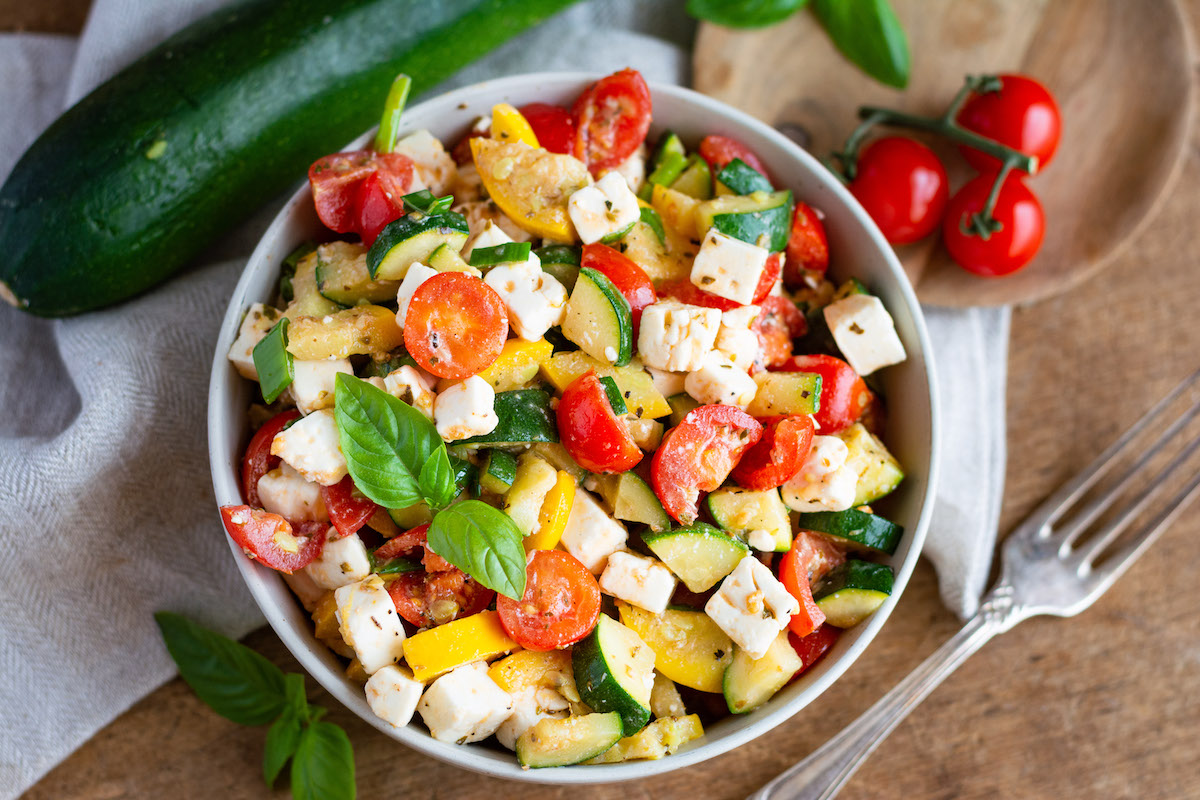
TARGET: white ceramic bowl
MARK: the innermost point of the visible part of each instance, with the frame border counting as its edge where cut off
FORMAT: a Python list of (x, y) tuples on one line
[(857, 248)]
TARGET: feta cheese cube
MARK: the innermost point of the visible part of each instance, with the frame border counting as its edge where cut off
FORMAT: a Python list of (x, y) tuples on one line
[(255, 325), (719, 380), (313, 384), (466, 409), (865, 333), (393, 695), (729, 267), (285, 492), (606, 209), (592, 535), (417, 274), (667, 383), (825, 482), (737, 337), (633, 169), (644, 582), (536, 302), (464, 705), (675, 336), (433, 168), (410, 385), (311, 447), (343, 561), (493, 235), (369, 623), (761, 539), (530, 706), (752, 606)]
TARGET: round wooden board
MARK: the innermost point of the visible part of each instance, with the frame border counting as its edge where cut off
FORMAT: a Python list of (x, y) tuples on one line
[(1121, 71)]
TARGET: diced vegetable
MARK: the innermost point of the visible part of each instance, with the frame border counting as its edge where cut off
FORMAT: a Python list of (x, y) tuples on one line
[(497, 471), (343, 277), (700, 555), (560, 742), (361, 330), (759, 218), (614, 671), (696, 180), (751, 515), (852, 591), (447, 259), (533, 481), (635, 383), (413, 238), (856, 528), (556, 510), (784, 393), (688, 646), (658, 739), (530, 185), (630, 498), (508, 125), (879, 473), (307, 300), (741, 178), (750, 682), (525, 416), (598, 319), (517, 364), (678, 211), (435, 651), (273, 362)]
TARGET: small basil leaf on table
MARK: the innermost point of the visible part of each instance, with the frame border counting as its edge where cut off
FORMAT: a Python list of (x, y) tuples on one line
[(437, 479), (869, 34), (283, 737), (743, 13), (484, 543), (323, 766)]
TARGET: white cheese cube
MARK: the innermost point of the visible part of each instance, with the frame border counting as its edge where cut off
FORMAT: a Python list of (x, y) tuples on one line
[(865, 333), (825, 482), (393, 695), (464, 705), (369, 623), (761, 539), (667, 383), (729, 267), (410, 385), (530, 706), (719, 380), (644, 582), (752, 606), (494, 235), (255, 325), (536, 302), (605, 209), (311, 447), (675, 336), (591, 535), (633, 169), (737, 337), (343, 561), (285, 492), (313, 384), (466, 409), (433, 168), (417, 274)]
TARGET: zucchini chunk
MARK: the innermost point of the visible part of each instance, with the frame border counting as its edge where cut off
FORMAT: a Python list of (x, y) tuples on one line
[(699, 555), (858, 529), (745, 514), (414, 238), (688, 646), (598, 319), (740, 178), (631, 499), (614, 671), (878, 471), (360, 330), (852, 591), (758, 218), (525, 416), (561, 262), (636, 385), (781, 393), (307, 300), (343, 277), (658, 739), (695, 180), (498, 471), (750, 682), (570, 740)]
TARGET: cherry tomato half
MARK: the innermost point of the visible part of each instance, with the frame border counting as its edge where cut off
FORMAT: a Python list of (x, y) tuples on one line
[(348, 509), (630, 279), (379, 203), (337, 182), (807, 248), (560, 606), (1022, 115), (456, 325), (813, 647), (258, 460), (685, 291), (810, 559), (1007, 250), (903, 186), (720, 150), (437, 594), (769, 277), (778, 323), (271, 540), (612, 117), (590, 431), (844, 395), (698, 454), (552, 125), (779, 454)]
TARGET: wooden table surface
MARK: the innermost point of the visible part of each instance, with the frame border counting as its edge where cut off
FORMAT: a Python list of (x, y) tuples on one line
[(1105, 705)]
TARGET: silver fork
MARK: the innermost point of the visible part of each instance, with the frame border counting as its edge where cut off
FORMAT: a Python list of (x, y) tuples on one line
[(1048, 568)]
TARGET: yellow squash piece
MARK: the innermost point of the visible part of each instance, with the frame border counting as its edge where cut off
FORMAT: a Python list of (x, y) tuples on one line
[(530, 669), (326, 627), (662, 261), (523, 501), (688, 646), (354, 331), (660, 738), (552, 520), (509, 125), (678, 210), (517, 364), (633, 381), (530, 185), (436, 651)]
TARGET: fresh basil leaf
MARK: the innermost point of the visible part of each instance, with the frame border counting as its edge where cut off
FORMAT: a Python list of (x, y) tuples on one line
[(283, 737), (437, 480), (230, 678), (386, 442), (744, 13), (323, 765), (869, 34), (484, 543), (274, 364)]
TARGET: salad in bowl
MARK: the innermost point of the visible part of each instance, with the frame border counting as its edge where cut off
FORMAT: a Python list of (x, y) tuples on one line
[(563, 435)]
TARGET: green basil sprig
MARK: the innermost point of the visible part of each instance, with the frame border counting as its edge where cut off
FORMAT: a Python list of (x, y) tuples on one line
[(242, 686), (483, 542)]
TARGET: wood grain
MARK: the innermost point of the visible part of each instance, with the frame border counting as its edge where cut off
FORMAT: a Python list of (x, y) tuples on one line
[(1101, 706), (1120, 73)]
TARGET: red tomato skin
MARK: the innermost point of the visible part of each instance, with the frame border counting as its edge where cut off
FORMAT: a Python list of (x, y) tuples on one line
[(1023, 114), (697, 456), (769, 277), (685, 291), (778, 323), (256, 532), (630, 279), (903, 186), (337, 182), (844, 395), (258, 460), (379, 203), (779, 454), (720, 150), (561, 604), (456, 325), (612, 117), (553, 126), (810, 559), (347, 511), (591, 432), (461, 152), (808, 246), (813, 647), (413, 593), (1007, 250)]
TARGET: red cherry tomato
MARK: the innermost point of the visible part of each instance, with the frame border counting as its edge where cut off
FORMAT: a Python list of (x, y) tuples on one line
[(612, 117), (1022, 115), (779, 454), (337, 182), (552, 125), (844, 395), (769, 277), (461, 152), (685, 291), (813, 647), (778, 323), (560, 606), (258, 460), (348, 509), (698, 454), (903, 186), (630, 279), (271, 540), (379, 203), (1007, 250), (437, 594), (807, 248), (720, 150), (456, 325), (810, 559), (590, 431)]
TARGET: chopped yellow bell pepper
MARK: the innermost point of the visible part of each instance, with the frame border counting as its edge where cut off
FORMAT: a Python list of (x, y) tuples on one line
[(517, 364), (509, 125), (633, 381), (688, 646), (532, 186), (552, 520), (436, 651)]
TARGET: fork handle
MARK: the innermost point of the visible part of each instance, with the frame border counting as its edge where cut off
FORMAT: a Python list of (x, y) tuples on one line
[(822, 774)]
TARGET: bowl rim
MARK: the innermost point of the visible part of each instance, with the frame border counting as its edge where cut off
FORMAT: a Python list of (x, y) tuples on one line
[(334, 682)]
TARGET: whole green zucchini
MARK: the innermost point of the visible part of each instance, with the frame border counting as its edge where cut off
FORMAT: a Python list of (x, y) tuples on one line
[(140, 175)]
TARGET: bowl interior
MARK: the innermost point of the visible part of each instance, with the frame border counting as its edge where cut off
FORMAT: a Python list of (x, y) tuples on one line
[(857, 249)]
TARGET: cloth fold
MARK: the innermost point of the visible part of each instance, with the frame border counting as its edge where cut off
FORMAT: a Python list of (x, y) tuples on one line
[(108, 510)]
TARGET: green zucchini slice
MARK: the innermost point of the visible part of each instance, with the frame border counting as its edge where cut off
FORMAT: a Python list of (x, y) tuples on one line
[(879, 473), (699, 555), (525, 416), (570, 740), (413, 238), (498, 471), (741, 512), (696, 180), (598, 319), (740, 178), (343, 277), (631, 499), (859, 529), (614, 671), (758, 218), (851, 592), (750, 682)]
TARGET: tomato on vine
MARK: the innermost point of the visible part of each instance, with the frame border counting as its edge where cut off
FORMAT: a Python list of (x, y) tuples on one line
[(903, 186), (1006, 242), (1016, 111)]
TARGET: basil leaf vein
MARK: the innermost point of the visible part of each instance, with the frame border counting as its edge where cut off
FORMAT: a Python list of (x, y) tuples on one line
[(323, 766), (484, 543), (869, 34)]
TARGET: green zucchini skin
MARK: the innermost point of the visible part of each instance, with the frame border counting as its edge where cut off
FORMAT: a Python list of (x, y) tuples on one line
[(135, 179)]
